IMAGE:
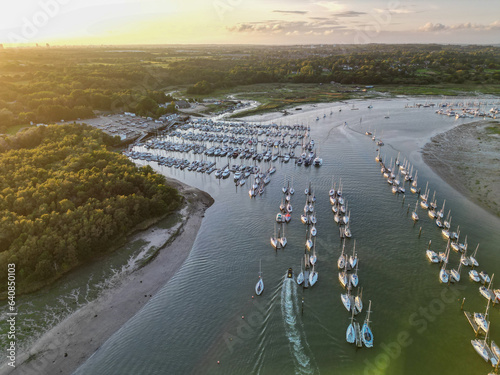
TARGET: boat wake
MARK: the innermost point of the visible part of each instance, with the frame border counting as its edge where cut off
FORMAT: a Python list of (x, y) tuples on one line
[(294, 329)]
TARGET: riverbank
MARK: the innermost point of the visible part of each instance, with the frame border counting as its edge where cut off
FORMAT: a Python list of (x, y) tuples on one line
[(62, 349), (467, 158)]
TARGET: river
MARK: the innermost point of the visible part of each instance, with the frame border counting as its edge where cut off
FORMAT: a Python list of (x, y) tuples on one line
[(205, 320)]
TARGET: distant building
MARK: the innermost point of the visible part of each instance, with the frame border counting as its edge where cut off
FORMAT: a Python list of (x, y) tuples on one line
[(182, 104)]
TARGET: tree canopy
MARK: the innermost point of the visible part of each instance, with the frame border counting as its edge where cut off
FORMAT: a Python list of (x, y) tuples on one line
[(64, 198)]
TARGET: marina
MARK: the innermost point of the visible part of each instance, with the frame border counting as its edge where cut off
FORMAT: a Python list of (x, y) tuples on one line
[(386, 238)]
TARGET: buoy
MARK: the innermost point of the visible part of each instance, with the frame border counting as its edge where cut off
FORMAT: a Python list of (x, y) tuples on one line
[(218, 362), (252, 297), (242, 317)]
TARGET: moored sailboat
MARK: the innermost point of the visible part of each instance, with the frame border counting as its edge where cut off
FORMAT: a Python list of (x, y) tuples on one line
[(366, 332)]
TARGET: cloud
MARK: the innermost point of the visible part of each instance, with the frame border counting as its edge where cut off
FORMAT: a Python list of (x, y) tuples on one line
[(429, 27), (323, 26), (438, 27), (291, 11), (268, 27), (348, 13), (319, 18)]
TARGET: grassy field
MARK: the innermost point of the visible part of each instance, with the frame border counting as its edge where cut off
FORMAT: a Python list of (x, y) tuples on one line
[(14, 129)]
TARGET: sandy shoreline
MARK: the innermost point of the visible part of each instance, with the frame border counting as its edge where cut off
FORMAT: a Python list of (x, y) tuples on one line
[(62, 349), (467, 158)]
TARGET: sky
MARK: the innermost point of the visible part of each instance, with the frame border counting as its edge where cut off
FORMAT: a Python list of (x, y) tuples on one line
[(97, 22)]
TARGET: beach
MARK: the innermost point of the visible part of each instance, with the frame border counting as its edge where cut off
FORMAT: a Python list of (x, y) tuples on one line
[(467, 158), (63, 348)]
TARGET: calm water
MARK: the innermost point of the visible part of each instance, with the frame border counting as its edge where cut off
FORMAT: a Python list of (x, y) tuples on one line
[(196, 319)]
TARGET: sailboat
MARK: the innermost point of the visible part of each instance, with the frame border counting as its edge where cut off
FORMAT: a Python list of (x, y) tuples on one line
[(355, 278), (366, 332), (331, 193), (480, 347), (341, 262), (353, 259), (343, 279), (455, 273), (300, 277), (313, 277), (474, 276), (309, 244), (350, 334), (486, 292), (274, 240), (443, 274), (282, 239), (414, 214), (346, 300), (347, 231), (480, 318), (259, 287), (472, 258), (313, 258), (358, 302)]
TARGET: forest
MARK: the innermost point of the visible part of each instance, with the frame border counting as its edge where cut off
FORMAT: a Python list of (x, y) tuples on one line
[(65, 199), (43, 85)]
